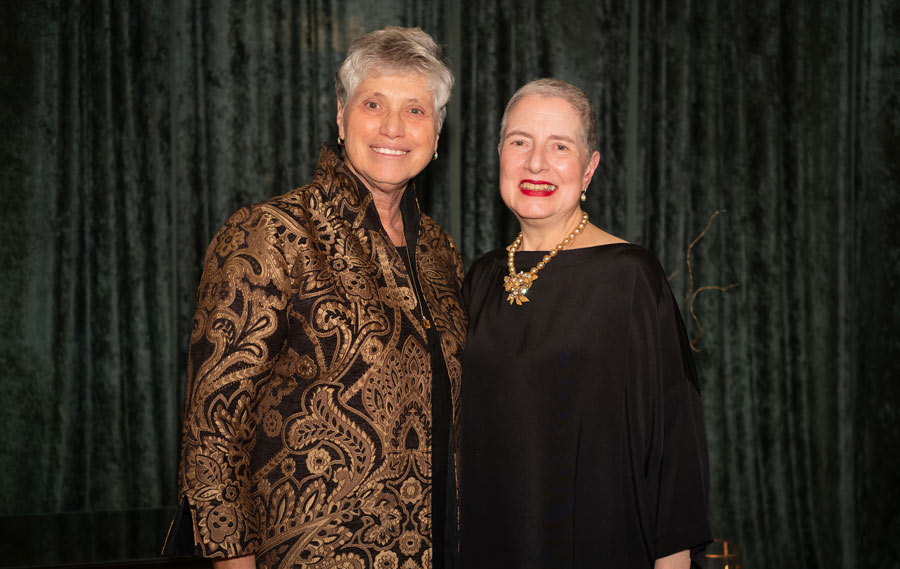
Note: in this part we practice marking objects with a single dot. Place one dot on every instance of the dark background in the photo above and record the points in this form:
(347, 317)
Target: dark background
(131, 130)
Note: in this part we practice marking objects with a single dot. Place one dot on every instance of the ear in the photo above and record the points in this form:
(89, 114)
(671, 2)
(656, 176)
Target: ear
(436, 138)
(589, 171)
(340, 119)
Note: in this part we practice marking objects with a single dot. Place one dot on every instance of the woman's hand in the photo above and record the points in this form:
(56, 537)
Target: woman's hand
(680, 560)
(245, 562)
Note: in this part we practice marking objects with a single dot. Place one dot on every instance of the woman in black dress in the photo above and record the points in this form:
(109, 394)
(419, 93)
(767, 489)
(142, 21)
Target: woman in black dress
(582, 437)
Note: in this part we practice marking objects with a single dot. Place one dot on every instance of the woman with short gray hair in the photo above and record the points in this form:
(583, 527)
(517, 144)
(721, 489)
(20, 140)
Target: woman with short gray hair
(324, 360)
(581, 432)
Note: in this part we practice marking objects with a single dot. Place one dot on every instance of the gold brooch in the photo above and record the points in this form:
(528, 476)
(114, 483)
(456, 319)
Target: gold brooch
(517, 284)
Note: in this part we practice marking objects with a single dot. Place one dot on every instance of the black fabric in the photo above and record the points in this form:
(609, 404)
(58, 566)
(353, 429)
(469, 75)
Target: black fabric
(443, 487)
(180, 537)
(582, 436)
(443, 499)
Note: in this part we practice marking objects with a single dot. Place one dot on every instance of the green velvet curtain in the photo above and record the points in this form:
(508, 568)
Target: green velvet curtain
(785, 115)
(131, 130)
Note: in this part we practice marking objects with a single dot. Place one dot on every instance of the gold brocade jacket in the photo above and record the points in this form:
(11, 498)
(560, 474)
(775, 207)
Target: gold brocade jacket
(307, 425)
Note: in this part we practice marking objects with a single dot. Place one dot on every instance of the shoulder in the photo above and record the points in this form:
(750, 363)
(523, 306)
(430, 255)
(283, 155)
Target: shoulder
(630, 257)
(635, 260)
(434, 233)
(272, 224)
(489, 262)
(636, 266)
(293, 213)
(295, 205)
(275, 206)
(438, 242)
(485, 269)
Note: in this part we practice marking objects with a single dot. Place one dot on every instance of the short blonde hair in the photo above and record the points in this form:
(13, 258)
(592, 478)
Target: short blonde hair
(395, 50)
(573, 95)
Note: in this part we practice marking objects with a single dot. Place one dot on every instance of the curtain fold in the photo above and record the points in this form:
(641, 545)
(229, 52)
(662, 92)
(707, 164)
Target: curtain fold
(874, 292)
(757, 109)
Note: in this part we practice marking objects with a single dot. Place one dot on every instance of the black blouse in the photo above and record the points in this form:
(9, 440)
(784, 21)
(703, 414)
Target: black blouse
(582, 438)
(443, 482)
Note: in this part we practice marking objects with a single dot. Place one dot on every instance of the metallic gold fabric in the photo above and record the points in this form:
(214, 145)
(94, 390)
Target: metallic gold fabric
(307, 433)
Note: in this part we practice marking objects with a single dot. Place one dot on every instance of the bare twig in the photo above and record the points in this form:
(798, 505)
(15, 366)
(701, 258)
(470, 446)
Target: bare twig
(692, 291)
(694, 314)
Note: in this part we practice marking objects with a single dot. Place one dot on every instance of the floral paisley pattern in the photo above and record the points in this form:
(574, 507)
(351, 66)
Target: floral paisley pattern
(307, 437)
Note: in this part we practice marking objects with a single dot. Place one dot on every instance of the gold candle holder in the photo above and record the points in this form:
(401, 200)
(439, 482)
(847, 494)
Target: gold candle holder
(724, 554)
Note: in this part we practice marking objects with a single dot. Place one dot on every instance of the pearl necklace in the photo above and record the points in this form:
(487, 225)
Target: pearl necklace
(517, 285)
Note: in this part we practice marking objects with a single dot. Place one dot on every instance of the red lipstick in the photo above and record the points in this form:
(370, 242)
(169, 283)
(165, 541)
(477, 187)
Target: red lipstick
(537, 188)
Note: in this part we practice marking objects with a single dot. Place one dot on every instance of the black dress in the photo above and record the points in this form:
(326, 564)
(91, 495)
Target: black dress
(582, 441)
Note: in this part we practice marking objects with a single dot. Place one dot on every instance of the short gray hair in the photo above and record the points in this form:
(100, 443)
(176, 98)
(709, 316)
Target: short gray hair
(571, 94)
(395, 50)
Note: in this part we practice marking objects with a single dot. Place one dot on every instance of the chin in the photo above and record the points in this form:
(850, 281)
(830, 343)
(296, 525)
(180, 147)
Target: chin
(389, 178)
(530, 214)
(394, 175)
(531, 210)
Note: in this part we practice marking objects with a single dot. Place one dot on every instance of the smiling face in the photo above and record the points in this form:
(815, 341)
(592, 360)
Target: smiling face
(544, 162)
(390, 130)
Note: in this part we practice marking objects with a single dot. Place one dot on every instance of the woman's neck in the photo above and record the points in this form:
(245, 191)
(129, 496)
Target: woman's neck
(543, 235)
(387, 204)
(388, 208)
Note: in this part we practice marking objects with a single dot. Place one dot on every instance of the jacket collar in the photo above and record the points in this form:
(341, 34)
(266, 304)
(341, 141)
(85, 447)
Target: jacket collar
(344, 190)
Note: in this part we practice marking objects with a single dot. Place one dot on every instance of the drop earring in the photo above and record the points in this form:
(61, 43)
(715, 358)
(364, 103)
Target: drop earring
(584, 196)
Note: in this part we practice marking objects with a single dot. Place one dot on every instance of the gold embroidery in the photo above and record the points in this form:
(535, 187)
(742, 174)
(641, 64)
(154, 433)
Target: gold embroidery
(307, 436)
(386, 560)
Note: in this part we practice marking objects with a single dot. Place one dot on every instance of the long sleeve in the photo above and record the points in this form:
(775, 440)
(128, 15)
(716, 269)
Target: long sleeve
(237, 330)
(681, 515)
(668, 449)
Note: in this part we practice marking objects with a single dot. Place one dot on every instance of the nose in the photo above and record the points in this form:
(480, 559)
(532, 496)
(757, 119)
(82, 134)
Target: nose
(536, 159)
(392, 125)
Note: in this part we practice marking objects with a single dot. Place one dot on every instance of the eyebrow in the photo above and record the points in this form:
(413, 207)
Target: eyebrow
(551, 137)
(516, 133)
(381, 95)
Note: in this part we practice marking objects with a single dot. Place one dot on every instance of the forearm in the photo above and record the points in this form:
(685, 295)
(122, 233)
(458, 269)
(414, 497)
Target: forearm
(245, 562)
(680, 560)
